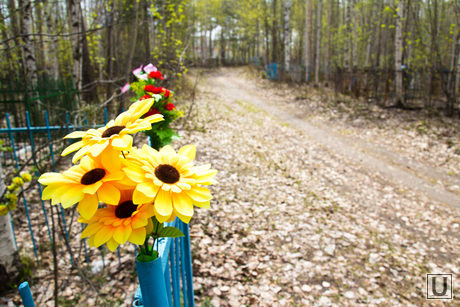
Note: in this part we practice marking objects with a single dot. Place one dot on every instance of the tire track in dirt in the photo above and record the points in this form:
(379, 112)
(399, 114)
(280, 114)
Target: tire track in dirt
(362, 153)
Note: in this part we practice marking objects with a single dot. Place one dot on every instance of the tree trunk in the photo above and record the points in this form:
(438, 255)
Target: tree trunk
(88, 76)
(6, 45)
(274, 34)
(347, 37)
(28, 48)
(328, 51)
(75, 19)
(16, 31)
(40, 51)
(307, 40)
(318, 41)
(287, 35)
(147, 25)
(210, 40)
(355, 35)
(10, 262)
(132, 43)
(50, 24)
(399, 54)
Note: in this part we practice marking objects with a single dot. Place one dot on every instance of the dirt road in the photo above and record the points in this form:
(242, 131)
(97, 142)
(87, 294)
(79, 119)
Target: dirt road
(306, 216)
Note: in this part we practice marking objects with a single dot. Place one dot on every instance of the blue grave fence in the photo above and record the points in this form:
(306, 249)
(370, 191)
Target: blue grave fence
(32, 145)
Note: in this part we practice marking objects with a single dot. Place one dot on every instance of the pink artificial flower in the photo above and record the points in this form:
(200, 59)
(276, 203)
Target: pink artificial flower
(143, 77)
(125, 88)
(137, 71)
(149, 68)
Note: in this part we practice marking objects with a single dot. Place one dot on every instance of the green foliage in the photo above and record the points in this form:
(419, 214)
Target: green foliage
(161, 133)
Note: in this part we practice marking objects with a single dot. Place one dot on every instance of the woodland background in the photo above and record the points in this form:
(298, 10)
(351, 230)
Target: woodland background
(400, 53)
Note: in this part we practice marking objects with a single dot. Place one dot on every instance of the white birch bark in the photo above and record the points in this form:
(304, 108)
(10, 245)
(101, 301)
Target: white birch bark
(318, 41)
(346, 52)
(287, 34)
(399, 52)
(9, 257)
(307, 40)
(75, 20)
(30, 64)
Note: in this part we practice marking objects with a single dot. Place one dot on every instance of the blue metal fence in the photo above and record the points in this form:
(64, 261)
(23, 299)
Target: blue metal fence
(25, 142)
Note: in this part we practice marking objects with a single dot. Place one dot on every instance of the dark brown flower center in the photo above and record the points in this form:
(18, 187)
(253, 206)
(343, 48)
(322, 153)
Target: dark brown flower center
(125, 209)
(112, 130)
(93, 176)
(167, 173)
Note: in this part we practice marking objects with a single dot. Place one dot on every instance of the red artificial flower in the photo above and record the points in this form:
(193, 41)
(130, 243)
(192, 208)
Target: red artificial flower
(149, 88)
(156, 90)
(170, 107)
(167, 93)
(152, 111)
(145, 97)
(156, 75)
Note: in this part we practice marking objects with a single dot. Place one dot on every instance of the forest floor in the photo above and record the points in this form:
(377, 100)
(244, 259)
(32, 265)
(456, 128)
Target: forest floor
(322, 200)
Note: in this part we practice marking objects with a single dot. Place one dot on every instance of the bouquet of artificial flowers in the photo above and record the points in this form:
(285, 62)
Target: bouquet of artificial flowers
(148, 86)
(123, 191)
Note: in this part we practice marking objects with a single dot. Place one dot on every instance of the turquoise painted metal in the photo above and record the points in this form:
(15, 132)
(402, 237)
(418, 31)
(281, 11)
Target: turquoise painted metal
(176, 275)
(26, 295)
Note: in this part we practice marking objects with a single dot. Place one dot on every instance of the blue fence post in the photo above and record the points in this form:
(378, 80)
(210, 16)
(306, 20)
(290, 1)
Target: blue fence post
(26, 295)
(188, 264)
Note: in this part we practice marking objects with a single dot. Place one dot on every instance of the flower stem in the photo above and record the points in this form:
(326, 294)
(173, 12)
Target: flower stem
(146, 246)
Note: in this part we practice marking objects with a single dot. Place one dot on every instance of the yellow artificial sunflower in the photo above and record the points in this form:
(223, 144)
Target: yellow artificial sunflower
(170, 180)
(116, 133)
(115, 225)
(88, 183)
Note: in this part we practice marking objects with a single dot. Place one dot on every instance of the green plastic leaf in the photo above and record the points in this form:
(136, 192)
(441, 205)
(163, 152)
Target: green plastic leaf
(170, 232)
(145, 258)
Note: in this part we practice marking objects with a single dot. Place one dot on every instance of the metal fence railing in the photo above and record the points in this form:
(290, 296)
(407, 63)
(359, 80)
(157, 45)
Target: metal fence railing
(42, 144)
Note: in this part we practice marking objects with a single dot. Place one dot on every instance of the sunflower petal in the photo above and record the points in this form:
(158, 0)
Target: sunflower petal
(163, 206)
(188, 151)
(141, 198)
(112, 245)
(98, 148)
(148, 189)
(83, 151)
(199, 194)
(137, 236)
(103, 235)
(87, 207)
(91, 229)
(122, 233)
(71, 196)
(122, 143)
(92, 188)
(134, 173)
(183, 207)
(109, 194)
(72, 148)
(75, 135)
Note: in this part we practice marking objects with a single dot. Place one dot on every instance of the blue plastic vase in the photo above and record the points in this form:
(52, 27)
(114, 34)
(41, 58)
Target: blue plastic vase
(152, 283)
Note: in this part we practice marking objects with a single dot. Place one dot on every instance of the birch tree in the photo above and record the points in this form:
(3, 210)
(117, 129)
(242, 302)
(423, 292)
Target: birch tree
(399, 53)
(30, 64)
(318, 41)
(287, 34)
(307, 40)
(75, 19)
(9, 257)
